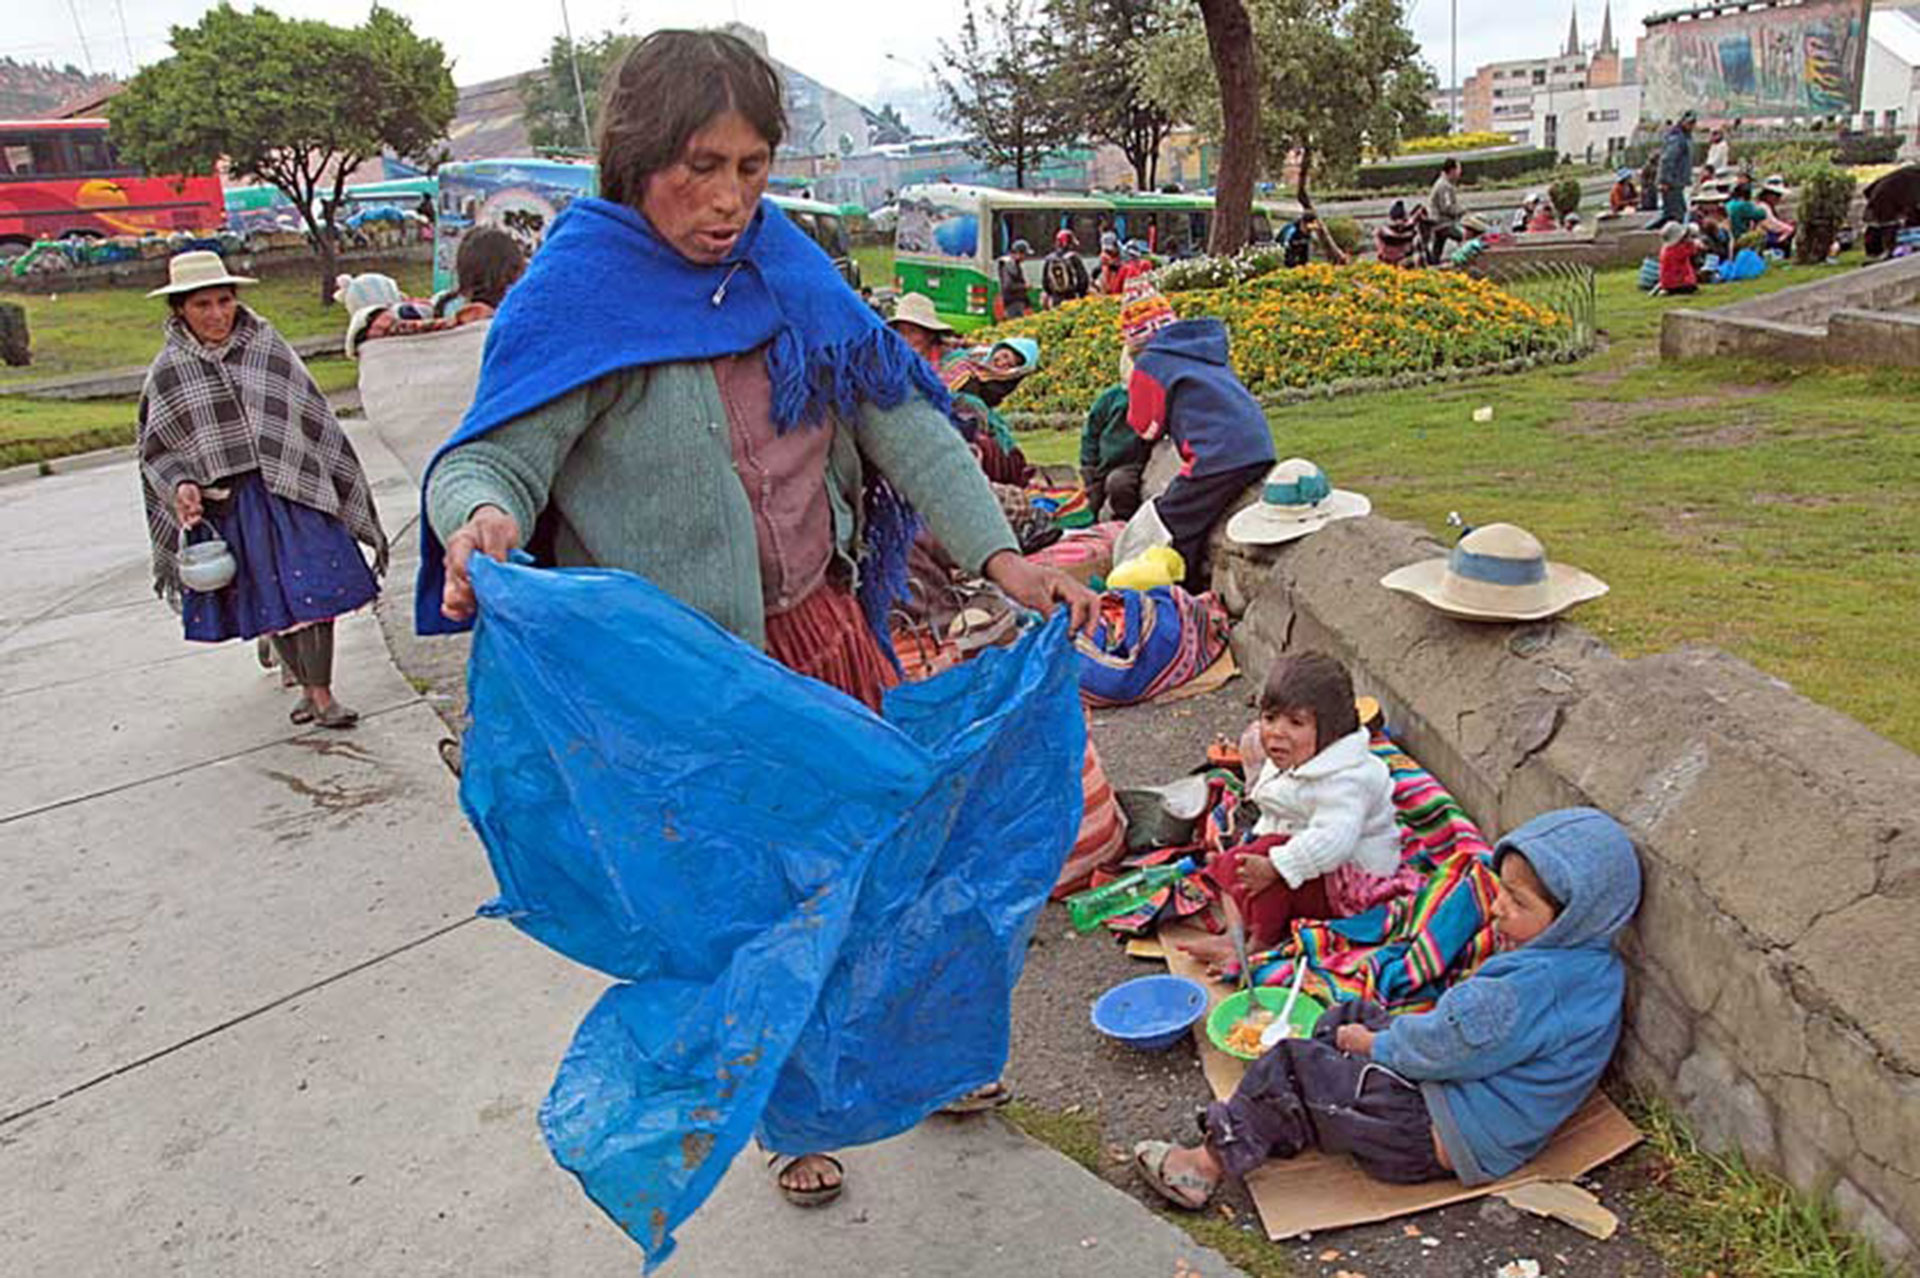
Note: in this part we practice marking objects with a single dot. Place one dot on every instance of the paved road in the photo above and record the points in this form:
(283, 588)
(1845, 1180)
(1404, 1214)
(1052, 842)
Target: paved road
(253, 1028)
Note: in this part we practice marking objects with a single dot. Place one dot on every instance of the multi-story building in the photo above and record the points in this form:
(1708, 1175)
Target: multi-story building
(1582, 103)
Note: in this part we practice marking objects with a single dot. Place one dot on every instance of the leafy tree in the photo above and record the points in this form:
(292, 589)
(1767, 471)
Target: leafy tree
(553, 107)
(1000, 87)
(1335, 80)
(296, 103)
(1227, 39)
(887, 126)
(1097, 76)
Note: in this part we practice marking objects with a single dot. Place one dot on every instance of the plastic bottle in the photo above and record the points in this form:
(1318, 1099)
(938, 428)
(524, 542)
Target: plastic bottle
(1129, 892)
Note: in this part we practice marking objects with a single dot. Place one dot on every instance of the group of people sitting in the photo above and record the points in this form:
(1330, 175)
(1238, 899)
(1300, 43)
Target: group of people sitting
(1724, 216)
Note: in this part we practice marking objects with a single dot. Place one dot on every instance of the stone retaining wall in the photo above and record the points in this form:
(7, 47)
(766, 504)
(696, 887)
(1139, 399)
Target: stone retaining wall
(1775, 988)
(1842, 319)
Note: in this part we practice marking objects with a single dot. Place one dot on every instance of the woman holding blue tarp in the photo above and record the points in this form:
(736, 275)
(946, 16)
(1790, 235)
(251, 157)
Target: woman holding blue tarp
(682, 387)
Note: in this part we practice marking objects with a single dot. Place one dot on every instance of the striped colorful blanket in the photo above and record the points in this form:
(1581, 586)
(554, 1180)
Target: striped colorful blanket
(1405, 953)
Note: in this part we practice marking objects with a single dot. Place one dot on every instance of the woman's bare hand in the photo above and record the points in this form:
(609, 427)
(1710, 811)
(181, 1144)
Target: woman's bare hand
(489, 530)
(186, 503)
(1032, 586)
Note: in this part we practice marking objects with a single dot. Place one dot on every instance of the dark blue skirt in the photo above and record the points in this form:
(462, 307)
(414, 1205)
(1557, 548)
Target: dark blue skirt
(296, 566)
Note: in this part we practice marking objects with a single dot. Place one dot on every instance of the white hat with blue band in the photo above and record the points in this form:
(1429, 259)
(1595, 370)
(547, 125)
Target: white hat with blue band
(1496, 573)
(1295, 500)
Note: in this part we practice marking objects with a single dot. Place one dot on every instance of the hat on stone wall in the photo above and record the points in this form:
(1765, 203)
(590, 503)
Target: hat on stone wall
(1496, 573)
(1295, 500)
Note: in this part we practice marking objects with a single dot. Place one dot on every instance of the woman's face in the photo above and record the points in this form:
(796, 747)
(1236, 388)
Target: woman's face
(702, 202)
(209, 313)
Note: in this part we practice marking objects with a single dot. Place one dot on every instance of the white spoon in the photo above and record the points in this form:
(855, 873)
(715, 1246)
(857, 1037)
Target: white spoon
(1282, 1026)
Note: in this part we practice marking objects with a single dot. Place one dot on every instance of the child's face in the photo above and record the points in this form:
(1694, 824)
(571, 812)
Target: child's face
(1006, 360)
(1521, 907)
(1290, 737)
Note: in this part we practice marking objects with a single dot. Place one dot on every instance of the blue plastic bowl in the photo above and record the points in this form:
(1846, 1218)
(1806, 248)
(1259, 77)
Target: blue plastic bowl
(1150, 1013)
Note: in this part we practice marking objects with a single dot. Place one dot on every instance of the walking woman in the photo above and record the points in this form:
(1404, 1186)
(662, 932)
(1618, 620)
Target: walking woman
(683, 388)
(235, 436)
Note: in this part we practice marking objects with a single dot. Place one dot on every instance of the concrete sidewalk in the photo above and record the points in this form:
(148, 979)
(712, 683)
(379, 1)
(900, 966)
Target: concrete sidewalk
(255, 1029)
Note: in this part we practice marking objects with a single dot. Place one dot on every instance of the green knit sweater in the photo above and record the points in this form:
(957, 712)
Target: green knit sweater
(638, 468)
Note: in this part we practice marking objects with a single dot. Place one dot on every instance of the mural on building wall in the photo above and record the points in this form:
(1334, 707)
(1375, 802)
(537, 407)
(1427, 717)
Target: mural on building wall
(1792, 60)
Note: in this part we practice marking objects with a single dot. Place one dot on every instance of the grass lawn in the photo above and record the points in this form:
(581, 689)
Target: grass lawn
(33, 430)
(96, 329)
(876, 265)
(1766, 510)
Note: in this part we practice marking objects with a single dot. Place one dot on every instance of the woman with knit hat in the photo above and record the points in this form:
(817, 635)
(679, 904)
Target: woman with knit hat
(1182, 388)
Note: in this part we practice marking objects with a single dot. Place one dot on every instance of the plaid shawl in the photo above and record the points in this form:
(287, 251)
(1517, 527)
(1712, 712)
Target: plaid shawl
(208, 412)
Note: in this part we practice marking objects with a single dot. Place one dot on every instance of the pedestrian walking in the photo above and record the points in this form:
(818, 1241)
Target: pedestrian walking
(1676, 171)
(235, 436)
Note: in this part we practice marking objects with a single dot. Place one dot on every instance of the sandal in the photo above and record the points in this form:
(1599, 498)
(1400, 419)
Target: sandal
(1186, 1190)
(816, 1197)
(979, 1100)
(263, 653)
(336, 716)
(301, 712)
(450, 754)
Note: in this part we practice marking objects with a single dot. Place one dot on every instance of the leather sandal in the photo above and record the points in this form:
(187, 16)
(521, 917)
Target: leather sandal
(1186, 1190)
(979, 1100)
(302, 712)
(336, 716)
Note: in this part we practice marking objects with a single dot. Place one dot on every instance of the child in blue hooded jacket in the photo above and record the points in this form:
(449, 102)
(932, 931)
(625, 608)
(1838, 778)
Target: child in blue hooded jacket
(1477, 1086)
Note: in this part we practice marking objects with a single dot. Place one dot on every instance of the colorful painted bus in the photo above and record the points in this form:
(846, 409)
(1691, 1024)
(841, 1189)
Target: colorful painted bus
(525, 195)
(62, 177)
(948, 237)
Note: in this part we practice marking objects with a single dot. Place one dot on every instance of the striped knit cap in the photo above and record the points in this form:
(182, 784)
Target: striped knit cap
(1144, 311)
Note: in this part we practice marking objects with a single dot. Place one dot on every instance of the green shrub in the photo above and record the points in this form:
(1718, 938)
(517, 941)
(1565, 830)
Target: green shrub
(1346, 232)
(1795, 161)
(1485, 167)
(1869, 148)
(1565, 195)
(1825, 198)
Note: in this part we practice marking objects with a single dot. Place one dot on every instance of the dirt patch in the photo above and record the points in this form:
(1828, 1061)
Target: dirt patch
(1600, 416)
(1061, 1064)
(1803, 501)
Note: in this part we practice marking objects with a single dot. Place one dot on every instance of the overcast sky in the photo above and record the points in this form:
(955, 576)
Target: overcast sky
(869, 49)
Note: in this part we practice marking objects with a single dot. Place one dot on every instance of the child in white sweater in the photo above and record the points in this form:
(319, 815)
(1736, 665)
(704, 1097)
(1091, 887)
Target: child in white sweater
(1326, 844)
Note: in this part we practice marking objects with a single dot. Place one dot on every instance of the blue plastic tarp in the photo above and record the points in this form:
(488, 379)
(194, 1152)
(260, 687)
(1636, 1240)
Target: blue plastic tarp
(816, 915)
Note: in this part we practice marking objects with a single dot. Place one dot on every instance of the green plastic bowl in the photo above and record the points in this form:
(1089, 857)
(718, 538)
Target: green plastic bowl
(1220, 1021)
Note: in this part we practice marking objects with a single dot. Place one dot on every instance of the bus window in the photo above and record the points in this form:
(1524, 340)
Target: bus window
(1086, 227)
(29, 154)
(937, 228)
(94, 155)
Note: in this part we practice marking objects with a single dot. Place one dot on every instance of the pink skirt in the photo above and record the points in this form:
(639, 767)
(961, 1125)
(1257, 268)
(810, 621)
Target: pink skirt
(825, 637)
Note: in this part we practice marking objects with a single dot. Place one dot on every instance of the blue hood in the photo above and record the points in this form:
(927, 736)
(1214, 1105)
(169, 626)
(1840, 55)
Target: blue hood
(1586, 860)
(1201, 339)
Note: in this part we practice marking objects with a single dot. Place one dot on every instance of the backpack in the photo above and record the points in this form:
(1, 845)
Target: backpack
(1061, 279)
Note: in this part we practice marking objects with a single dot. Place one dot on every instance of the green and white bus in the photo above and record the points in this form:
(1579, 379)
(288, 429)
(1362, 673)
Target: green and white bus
(948, 237)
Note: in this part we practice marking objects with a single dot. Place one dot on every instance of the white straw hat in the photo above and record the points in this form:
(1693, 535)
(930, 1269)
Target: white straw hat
(1496, 573)
(1295, 500)
(201, 268)
(917, 309)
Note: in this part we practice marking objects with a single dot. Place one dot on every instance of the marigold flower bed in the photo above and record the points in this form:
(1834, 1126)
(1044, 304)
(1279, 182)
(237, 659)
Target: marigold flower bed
(1297, 328)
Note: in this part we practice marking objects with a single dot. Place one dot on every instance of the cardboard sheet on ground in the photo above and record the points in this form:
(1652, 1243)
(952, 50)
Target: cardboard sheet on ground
(1316, 1192)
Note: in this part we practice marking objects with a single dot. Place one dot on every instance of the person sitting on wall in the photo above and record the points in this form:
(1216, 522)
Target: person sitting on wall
(1743, 211)
(1182, 387)
(1396, 242)
(1779, 230)
(1113, 459)
(1472, 1089)
(1625, 195)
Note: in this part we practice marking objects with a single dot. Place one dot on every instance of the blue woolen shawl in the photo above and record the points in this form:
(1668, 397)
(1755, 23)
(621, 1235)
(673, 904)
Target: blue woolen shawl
(604, 293)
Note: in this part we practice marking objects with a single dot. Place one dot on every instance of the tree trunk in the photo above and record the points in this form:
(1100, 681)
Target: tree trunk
(1300, 181)
(1230, 41)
